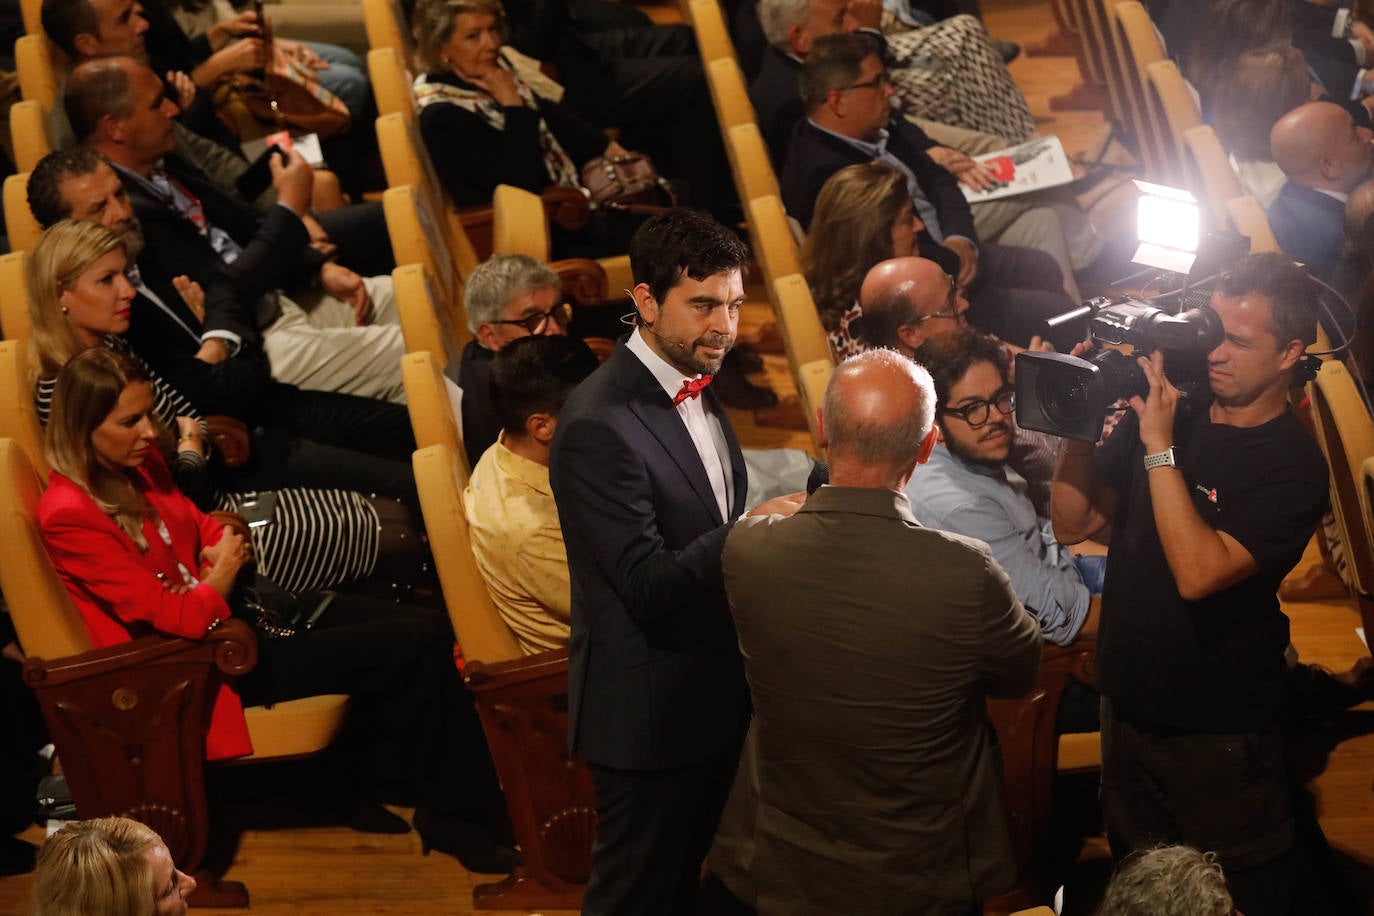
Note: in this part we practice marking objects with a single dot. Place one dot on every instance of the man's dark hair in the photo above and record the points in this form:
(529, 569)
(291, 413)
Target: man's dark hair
(1292, 294)
(682, 241)
(45, 182)
(95, 89)
(63, 20)
(834, 63)
(949, 356)
(536, 374)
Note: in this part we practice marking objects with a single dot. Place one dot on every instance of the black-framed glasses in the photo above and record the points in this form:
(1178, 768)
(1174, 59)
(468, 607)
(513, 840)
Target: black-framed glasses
(977, 413)
(536, 323)
(876, 82)
(951, 307)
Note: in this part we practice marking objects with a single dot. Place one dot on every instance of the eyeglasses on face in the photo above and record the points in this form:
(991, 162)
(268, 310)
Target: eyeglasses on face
(876, 82)
(538, 322)
(950, 309)
(977, 413)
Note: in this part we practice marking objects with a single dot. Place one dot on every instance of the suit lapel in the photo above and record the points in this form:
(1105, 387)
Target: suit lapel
(652, 406)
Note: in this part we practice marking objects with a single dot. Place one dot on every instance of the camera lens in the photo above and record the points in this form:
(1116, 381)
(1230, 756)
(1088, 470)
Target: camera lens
(1067, 406)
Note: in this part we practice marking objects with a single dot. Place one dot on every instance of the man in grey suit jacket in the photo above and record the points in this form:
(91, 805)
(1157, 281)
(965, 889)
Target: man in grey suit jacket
(870, 645)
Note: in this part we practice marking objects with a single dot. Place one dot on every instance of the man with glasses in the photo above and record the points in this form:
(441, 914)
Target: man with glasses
(969, 488)
(508, 297)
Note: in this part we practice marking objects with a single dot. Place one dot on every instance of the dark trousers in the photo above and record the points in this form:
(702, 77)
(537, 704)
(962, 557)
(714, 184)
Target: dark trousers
(415, 721)
(360, 232)
(1016, 291)
(654, 828)
(1221, 793)
(324, 439)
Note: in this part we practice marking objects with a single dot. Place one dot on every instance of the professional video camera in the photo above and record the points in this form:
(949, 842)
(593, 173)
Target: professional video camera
(1069, 396)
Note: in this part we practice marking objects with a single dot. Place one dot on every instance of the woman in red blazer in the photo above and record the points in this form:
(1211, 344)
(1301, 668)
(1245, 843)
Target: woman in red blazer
(137, 557)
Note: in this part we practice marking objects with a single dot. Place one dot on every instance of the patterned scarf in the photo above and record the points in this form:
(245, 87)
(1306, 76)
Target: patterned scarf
(557, 163)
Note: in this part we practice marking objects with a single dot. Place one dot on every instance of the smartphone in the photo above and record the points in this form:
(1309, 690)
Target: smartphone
(258, 176)
(257, 508)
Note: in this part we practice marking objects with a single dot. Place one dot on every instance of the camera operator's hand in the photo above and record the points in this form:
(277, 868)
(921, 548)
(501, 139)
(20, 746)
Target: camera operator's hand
(1082, 349)
(1156, 411)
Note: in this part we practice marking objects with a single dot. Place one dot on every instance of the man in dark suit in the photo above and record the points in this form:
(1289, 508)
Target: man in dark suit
(1011, 290)
(648, 479)
(1325, 155)
(338, 333)
(879, 785)
(300, 438)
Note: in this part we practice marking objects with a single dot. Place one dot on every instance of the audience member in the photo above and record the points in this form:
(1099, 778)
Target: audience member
(512, 518)
(87, 29)
(874, 751)
(125, 543)
(648, 479)
(508, 297)
(1210, 509)
(112, 865)
(338, 334)
(1354, 279)
(300, 438)
(485, 127)
(949, 75)
(1324, 154)
(1168, 881)
(1013, 290)
(969, 488)
(1264, 85)
(643, 78)
(306, 539)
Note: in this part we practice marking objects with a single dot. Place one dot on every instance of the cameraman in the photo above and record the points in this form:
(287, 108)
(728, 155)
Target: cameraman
(1210, 509)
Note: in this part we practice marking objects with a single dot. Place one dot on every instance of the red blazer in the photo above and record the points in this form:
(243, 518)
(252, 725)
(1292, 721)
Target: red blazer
(116, 586)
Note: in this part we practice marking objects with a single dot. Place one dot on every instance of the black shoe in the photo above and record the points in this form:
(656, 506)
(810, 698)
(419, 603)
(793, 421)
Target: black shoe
(749, 361)
(16, 856)
(471, 844)
(734, 390)
(1008, 50)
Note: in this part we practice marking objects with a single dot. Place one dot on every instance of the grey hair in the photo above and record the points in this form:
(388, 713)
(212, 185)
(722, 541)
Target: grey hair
(778, 17)
(432, 23)
(1168, 881)
(498, 280)
(880, 446)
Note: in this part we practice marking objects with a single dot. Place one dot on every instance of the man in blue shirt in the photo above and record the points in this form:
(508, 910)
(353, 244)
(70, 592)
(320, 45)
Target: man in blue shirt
(968, 488)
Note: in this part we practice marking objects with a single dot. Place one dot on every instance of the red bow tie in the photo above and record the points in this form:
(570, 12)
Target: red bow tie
(691, 389)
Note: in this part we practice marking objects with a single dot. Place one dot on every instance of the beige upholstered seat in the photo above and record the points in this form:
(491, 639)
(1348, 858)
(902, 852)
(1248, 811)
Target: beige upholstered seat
(713, 38)
(29, 132)
(519, 225)
(14, 298)
(431, 411)
(417, 238)
(749, 158)
(391, 80)
(1247, 217)
(33, 56)
(18, 414)
(728, 93)
(775, 247)
(1175, 110)
(23, 230)
(386, 28)
(1209, 174)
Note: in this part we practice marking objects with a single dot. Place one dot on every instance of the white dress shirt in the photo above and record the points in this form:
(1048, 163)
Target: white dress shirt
(702, 425)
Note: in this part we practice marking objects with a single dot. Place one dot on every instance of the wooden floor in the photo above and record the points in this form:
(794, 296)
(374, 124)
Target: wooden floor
(318, 870)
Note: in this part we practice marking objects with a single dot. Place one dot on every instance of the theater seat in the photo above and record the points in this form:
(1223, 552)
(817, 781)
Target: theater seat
(1247, 218)
(431, 411)
(29, 133)
(23, 230)
(129, 720)
(14, 298)
(33, 57)
(523, 703)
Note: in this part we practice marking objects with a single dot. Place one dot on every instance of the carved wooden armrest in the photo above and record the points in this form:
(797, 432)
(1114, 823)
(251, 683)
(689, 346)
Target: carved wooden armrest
(232, 648)
(567, 207)
(584, 280)
(1074, 660)
(486, 676)
(231, 438)
(477, 216)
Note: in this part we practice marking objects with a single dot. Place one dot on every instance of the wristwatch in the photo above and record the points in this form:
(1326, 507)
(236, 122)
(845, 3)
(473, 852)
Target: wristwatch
(1164, 459)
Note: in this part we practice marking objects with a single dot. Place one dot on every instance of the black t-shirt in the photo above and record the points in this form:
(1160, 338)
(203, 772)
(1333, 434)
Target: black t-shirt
(1215, 665)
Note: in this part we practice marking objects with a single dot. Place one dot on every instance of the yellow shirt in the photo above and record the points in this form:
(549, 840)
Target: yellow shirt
(518, 545)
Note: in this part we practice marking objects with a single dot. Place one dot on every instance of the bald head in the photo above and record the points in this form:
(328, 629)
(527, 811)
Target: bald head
(1318, 145)
(899, 297)
(877, 419)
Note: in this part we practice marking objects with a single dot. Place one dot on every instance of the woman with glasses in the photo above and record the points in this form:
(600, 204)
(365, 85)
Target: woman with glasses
(863, 215)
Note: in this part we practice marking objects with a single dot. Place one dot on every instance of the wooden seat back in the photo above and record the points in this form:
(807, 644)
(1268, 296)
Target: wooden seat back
(713, 38)
(33, 57)
(1176, 112)
(749, 158)
(1209, 174)
(29, 133)
(391, 83)
(519, 224)
(1246, 217)
(1137, 46)
(425, 324)
(386, 27)
(775, 247)
(815, 376)
(432, 416)
(729, 94)
(23, 230)
(1345, 432)
(14, 295)
(18, 413)
(417, 238)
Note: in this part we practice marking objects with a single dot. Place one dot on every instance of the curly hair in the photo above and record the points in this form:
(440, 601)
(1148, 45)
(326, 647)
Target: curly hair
(1168, 881)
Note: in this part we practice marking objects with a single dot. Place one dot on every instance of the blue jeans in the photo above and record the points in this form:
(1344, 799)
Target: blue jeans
(1093, 569)
(345, 76)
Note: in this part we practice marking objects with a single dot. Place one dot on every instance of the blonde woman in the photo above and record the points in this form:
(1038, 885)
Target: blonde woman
(311, 538)
(113, 866)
